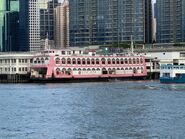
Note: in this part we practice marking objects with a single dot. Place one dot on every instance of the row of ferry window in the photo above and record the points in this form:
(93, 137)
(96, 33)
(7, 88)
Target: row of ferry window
(97, 61)
(41, 60)
(163, 67)
(98, 69)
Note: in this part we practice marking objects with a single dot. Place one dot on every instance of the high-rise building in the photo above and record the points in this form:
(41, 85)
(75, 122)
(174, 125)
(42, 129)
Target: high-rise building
(148, 21)
(47, 19)
(170, 16)
(24, 26)
(29, 25)
(9, 25)
(61, 26)
(34, 25)
(94, 22)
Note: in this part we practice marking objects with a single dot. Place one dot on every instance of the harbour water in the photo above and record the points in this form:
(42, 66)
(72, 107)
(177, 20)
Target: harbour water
(107, 110)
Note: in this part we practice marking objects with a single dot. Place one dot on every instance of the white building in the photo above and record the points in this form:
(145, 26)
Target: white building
(34, 25)
(15, 63)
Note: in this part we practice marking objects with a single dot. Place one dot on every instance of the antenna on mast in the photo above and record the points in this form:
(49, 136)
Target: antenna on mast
(132, 44)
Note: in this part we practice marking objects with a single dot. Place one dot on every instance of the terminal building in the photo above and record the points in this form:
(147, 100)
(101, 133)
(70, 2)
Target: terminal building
(15, 67)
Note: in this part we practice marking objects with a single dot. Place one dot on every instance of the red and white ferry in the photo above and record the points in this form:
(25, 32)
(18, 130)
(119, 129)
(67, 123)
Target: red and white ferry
(66, 64)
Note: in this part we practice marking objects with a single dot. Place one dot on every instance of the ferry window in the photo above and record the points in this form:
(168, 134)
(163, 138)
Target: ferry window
(117, 61)
(79, 62)
(130, 61)
(141, 61)
(63, 52)
(57, 61)
(63, 61)
(68, 61)
(113, 61)
(126, 61)
(97, 61)
(42, 59)
(182, 54)
(83, 61)
(103, 61)
(109, 61)
(92, 61)
(88, 61)
(134, 61)
(63, 70)
(74, 61)
(122, 62)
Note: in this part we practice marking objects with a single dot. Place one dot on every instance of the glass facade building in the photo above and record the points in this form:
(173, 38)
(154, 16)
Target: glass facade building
(170, 16)
(9, 25)
(23, 26)
(47, 19)
(99, 22)
(36, 21)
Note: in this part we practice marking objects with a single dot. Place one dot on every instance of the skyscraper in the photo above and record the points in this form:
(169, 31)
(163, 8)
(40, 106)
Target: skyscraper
(47, 19)
(9, 21)
(148, 21)
(24, 26)
(170, 16)
(34, 25)
(61, 25)
(94, 22)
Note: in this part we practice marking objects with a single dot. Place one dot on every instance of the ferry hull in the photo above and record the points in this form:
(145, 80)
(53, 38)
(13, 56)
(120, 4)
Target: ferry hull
(172, 80)
(78, 80)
